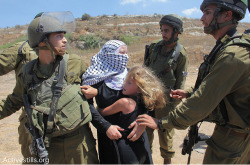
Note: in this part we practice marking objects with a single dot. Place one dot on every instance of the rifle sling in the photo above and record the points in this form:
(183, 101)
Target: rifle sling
(175, 56)
(56, 96)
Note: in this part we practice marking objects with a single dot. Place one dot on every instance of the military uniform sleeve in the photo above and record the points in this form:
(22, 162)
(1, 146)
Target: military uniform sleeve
(221, 81)
(9, 59)
(14, 101)
(181, 69)
(76, 67)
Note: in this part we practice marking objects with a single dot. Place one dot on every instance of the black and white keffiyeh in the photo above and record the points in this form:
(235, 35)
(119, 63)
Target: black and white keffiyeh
(107, 65)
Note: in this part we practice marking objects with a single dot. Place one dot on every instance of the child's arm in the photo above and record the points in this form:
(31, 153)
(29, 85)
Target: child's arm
(124, 105)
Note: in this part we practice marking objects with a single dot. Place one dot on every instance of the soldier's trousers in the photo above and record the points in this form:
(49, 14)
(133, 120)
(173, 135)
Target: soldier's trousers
(227, 147)
(165, 136)
(80, 148)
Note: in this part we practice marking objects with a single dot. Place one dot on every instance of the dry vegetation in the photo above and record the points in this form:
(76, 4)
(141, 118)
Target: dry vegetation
(143, 29)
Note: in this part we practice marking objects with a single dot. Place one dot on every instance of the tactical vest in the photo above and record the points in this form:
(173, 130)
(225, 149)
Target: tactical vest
(219, 115)
(164, 68)
(72, 110)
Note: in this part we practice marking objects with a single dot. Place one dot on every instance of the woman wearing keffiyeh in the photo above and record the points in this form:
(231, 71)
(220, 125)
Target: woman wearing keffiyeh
(106, 74)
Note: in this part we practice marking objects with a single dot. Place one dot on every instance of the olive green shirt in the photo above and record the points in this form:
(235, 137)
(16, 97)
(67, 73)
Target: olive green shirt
(228, 80)
(75, 68)
(11, 60)
(159, 61)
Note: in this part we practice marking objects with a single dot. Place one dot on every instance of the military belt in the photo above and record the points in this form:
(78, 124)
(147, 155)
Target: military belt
(231, 132)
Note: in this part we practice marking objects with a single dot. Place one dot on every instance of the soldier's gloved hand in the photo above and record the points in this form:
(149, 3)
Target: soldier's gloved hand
(113, 132)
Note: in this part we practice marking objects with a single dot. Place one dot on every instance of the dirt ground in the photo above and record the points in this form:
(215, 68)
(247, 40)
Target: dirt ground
(10, 148)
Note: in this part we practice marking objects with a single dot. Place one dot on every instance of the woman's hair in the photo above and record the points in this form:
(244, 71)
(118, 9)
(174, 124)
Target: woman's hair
(151, 88)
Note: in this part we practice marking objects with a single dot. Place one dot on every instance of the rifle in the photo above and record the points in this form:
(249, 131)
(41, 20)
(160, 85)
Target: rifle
(37, 146)
(191, 139)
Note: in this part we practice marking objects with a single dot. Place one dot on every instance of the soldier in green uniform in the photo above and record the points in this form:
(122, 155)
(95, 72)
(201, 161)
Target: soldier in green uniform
(222, 90)
(168, 59)
(67, 135)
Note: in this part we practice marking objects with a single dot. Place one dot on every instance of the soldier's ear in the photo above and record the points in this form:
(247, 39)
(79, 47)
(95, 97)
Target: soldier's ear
(228, 15)
(41, 44)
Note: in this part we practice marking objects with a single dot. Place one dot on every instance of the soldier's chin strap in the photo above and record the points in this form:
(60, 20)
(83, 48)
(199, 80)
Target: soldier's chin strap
(214, 25)
(48, 47)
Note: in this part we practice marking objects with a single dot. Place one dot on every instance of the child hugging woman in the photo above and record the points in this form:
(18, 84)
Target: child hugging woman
(120, 104)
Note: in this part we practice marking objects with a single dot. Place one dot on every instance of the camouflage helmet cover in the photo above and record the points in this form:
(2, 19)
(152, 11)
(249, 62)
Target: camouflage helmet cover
(172, 20)
(47, 23)
(237, 6)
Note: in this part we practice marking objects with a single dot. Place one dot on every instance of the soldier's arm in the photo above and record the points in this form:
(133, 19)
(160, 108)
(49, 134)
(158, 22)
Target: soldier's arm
(75, 69)
(210, 93)
(9, 59)
(14, 101)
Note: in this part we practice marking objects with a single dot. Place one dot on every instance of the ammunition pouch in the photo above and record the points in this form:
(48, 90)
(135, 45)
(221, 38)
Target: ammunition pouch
(72, 112)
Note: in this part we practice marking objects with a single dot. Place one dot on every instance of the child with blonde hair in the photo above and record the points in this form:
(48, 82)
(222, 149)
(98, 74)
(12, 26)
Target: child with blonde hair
(143, 85)
(144, 92)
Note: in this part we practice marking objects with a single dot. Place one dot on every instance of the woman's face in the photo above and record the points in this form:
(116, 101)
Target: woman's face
(130, 88)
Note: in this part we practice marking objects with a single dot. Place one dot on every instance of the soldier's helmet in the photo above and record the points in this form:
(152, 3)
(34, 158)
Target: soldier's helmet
(237, 6)
(49, 22)
(174, 21)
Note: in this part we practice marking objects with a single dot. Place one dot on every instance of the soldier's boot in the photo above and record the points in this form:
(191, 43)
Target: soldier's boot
(167, 161)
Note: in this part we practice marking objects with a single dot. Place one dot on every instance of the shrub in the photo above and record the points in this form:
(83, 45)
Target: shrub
(86, 17)
(91, 41)
(128, 39)
(69, 37)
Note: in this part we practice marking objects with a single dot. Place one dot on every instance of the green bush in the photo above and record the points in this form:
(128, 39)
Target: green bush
(85, 17)
(69, 37)
(129, 39)
(91, 41)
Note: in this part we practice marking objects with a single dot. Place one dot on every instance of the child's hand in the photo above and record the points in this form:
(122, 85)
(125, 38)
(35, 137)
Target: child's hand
(88, 91)
(146, 120)
(137, 131)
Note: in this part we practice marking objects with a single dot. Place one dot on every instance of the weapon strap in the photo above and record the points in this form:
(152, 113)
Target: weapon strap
(20, 53)
(175, 56)
(56, 96)
(177, 52)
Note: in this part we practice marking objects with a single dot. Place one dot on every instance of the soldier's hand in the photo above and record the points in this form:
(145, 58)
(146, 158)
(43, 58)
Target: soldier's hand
(88, 91)
(178, 94)
(137, 131)
(113, 132)
(146, 120)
